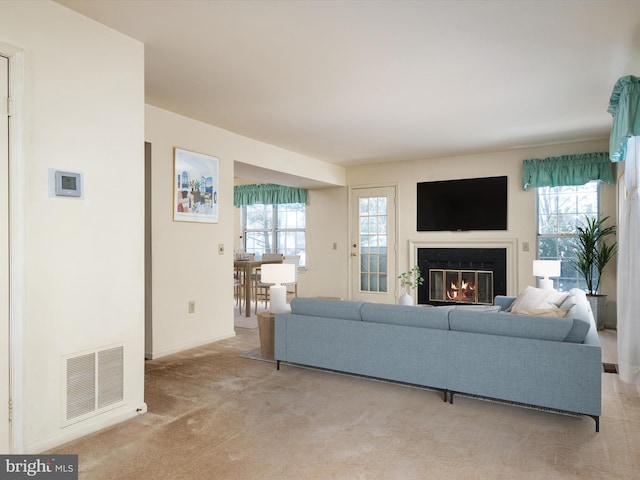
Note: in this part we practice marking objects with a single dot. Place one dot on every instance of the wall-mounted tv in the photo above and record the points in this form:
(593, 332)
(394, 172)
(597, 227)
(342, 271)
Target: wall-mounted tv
(461, 205)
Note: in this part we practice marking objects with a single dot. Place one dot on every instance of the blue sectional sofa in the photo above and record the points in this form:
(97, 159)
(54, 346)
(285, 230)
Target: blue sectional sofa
(543, 361)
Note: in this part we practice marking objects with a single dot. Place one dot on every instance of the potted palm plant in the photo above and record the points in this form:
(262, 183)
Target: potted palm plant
(592, 255)
(409, 280)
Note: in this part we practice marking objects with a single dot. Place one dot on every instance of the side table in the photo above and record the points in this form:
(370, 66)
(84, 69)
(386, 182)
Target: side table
(266, 321)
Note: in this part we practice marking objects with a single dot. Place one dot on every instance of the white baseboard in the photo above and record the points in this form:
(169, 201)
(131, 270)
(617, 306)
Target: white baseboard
(81, 429)
(187, 346)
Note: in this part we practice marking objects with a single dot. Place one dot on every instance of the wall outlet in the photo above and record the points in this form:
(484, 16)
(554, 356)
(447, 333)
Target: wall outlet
(221, 249)
(192, 306)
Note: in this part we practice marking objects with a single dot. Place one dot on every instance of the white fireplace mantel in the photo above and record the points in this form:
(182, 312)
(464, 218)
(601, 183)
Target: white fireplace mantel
(509, 244)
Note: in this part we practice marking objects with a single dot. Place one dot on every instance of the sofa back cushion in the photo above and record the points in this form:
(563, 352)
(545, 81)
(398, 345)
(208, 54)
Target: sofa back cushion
(322, 307)
(511, 325)
(407, 315)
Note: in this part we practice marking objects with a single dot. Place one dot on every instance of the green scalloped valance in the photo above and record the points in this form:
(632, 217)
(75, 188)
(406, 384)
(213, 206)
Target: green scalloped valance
(567, 170)
(624, 106)
(267, 194)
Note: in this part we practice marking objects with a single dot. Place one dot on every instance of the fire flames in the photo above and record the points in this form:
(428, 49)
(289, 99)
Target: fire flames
(460, 286)
(462, 293)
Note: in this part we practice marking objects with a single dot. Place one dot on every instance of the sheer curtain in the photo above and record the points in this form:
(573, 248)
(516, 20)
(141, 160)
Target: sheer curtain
(625, 146)
(629, 269)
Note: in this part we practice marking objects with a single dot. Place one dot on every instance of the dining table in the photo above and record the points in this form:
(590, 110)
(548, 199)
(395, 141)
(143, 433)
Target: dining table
(247, 267)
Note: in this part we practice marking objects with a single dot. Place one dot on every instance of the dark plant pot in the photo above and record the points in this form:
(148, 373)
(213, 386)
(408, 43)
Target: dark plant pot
(598, 308)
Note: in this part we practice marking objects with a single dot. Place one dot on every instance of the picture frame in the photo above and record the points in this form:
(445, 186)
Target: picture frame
(195, 187)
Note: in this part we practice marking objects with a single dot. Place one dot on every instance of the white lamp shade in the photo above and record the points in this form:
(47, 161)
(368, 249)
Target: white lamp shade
(546, 268)
(278, 273)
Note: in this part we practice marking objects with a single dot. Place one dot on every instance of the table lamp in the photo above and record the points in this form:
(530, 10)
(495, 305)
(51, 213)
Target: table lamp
(278, 273)
(546, 269)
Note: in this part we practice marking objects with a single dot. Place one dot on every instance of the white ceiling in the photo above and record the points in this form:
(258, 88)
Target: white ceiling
(356, 82)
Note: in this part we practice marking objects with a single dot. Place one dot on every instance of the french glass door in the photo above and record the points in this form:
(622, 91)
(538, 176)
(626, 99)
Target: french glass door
(373, 244)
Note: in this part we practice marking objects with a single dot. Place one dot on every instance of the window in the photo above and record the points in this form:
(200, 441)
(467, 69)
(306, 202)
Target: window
(275, 229)
(560, 211)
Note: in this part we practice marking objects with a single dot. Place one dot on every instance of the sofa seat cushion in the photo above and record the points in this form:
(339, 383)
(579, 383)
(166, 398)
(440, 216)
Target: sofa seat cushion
(510, 325)
(407, 315)
(321, 307)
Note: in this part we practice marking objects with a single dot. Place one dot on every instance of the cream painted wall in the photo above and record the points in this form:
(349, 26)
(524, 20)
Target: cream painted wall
(278, 159)
(326, 270)
(522, 206)
(186, 264)
(83, 111)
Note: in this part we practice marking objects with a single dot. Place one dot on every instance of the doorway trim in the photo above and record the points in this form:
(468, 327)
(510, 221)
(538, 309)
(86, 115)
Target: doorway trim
(17, 255)
(393, 283)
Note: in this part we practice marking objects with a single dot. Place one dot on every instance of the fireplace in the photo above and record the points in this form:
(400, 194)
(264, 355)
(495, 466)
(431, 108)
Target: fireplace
(461, 286)
(462, 275)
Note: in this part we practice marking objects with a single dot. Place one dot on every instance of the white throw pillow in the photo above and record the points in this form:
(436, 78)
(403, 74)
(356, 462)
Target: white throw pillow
(569, 302)
(536, 298)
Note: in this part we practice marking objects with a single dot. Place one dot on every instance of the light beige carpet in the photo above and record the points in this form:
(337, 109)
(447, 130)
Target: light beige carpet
(256, 354)
(245, 322)
(240, 319)
(216, 415)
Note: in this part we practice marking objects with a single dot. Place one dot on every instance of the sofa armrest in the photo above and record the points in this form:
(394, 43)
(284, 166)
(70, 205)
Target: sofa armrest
(503, 301)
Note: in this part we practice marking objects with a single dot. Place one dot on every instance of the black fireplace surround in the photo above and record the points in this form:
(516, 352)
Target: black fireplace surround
(486, 259)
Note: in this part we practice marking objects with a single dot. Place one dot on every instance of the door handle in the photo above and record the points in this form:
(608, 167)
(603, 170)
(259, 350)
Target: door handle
(354, 254)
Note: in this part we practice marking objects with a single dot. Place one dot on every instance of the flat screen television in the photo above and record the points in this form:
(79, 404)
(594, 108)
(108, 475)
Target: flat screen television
(461, 205)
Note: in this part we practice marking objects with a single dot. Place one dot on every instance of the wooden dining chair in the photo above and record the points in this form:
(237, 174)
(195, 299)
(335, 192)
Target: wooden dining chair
(238, 287)
(292, 288)
(238, 282)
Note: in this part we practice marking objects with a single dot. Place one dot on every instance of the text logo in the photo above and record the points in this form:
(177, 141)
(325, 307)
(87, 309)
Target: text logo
(50, 467)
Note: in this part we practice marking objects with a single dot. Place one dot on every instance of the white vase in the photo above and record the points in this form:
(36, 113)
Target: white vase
(405, 299)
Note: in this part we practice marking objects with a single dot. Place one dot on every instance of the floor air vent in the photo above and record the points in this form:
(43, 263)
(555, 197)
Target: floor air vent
(95, 382)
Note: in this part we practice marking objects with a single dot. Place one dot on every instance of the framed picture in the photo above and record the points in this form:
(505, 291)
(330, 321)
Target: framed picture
(195, 186)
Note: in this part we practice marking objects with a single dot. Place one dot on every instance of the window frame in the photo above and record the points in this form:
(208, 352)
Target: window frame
(274, 231)
(570, 277)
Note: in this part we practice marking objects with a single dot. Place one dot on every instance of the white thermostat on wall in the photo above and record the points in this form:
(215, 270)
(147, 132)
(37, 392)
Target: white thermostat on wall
(65, 184)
